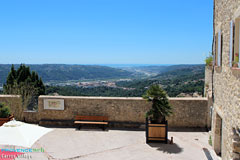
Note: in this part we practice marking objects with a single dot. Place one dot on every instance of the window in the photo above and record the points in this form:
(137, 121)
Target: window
(218, 49)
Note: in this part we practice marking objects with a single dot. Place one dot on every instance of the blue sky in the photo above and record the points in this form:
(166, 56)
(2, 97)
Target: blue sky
(105, 31)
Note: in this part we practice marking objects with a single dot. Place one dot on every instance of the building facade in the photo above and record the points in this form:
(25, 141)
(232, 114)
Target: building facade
(225, 87)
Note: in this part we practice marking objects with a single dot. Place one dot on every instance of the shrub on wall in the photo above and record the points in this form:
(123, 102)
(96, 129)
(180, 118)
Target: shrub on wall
(209, 60)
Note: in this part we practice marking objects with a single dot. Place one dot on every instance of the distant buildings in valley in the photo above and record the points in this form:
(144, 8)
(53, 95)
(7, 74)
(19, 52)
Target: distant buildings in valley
(91, 84)
(97, 84)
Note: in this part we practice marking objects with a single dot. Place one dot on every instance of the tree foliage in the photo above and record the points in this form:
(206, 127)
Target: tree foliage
(25, 83)
(4, 111)
(160, 104)
(94, 91)
(187, 80)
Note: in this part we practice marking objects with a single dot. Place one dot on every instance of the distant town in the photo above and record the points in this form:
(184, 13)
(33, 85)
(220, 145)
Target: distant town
(91, 83)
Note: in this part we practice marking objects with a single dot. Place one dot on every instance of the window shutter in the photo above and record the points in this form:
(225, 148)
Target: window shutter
(214, 51)
(219, 48)
(231, 44)
(238, 43)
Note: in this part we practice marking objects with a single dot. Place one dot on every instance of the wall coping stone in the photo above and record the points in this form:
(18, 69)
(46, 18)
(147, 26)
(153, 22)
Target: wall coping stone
(114, 98)
(123, 98)
(4, 95)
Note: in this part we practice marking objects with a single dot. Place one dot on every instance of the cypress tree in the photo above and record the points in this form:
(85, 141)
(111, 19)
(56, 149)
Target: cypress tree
(26, 83)
(11, 76)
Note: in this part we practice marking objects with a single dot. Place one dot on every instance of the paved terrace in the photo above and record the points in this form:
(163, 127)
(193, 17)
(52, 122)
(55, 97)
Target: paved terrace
(92, 144)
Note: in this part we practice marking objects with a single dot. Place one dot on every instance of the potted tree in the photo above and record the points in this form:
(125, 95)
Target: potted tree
(156, 124)
(5, 115)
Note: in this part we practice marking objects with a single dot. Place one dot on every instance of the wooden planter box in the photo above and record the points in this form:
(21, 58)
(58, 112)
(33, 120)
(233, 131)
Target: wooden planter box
(156, 132)
(4, 120)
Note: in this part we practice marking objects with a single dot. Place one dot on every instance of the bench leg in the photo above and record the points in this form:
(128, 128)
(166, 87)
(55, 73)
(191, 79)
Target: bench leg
(103, 127)
(79, 127)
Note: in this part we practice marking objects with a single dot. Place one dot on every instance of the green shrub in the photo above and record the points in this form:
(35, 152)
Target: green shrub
(4, 111)
(210, 140)
(209, 60)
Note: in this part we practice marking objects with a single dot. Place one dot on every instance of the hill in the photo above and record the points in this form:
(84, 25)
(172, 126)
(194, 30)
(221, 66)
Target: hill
(178, 80)
(62, 72)
(153, 70)
(184, 80)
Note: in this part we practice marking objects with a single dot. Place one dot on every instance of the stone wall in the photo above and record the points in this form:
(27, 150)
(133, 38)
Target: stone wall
(208, 81)
(14, 103)
(127, 112)
(188, 112)
(226, 83)
(208, 92)
(31, 117)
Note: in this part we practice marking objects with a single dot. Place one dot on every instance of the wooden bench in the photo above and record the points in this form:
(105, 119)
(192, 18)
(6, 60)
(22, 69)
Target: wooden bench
(96, 120)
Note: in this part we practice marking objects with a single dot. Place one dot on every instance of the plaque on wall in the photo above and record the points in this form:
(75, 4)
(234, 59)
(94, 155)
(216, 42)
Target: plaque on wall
(54, 104)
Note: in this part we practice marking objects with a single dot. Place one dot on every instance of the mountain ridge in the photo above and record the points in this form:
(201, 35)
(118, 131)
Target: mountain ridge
(64, 72)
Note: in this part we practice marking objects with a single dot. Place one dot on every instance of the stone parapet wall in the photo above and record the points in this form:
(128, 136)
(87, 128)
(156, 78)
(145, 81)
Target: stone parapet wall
(117, 109)
(187, 112)
(31, 117)
(13, 102)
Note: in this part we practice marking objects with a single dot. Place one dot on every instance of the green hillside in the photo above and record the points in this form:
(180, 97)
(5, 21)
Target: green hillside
(62, 72)
(185, 80)
(160, 69)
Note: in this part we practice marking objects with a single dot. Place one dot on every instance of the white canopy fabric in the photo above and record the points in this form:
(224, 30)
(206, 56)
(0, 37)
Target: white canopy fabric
(21, 134)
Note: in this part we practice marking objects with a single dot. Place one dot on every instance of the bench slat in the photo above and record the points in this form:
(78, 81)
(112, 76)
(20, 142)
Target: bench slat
(90, 122)
(91, 118)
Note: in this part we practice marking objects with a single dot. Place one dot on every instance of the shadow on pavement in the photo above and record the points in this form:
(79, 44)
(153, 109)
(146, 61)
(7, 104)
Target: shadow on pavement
(170, 129)
(167, 148)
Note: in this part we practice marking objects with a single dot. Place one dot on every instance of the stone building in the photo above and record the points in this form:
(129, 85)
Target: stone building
(225, 87)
